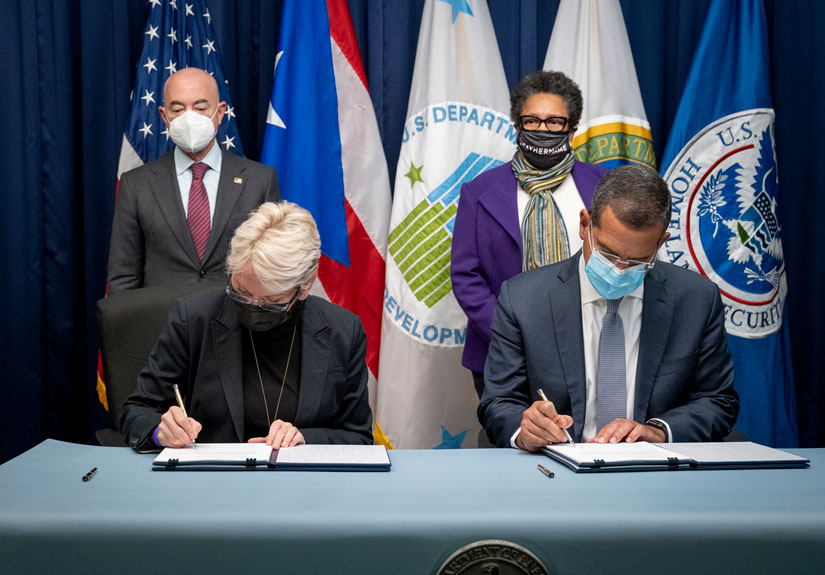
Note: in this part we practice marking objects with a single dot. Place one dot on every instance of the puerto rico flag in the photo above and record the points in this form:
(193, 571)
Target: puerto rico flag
(322, 138)
(178, 35)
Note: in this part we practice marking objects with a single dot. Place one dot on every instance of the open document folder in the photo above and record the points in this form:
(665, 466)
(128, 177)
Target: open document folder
(240, 456)
(643, 456)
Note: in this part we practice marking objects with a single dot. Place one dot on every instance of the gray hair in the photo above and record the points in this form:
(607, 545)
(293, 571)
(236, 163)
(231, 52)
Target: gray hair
(637, 195)
(547, 82)
(280, 244)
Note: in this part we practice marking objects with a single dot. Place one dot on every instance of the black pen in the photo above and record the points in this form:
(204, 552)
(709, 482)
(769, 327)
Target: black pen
(546, 471)
(89, 475)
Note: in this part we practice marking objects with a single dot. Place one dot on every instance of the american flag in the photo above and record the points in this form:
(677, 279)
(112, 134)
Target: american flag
(178, 35)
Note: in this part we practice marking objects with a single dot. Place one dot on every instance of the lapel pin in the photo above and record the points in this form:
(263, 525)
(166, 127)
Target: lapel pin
(238, 180)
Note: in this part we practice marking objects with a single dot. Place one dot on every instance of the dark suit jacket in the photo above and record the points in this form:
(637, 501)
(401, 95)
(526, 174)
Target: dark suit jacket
(684, 373)
(151, 244)
(200, 350)
(487, 247)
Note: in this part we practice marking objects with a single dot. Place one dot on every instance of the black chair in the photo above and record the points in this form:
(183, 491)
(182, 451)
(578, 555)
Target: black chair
(130, 323)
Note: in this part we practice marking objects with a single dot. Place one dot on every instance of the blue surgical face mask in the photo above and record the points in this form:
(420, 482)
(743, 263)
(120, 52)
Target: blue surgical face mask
(609, 281)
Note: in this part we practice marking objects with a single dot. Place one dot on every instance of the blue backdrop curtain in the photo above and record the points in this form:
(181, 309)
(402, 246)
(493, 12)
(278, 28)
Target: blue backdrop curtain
(68, 68)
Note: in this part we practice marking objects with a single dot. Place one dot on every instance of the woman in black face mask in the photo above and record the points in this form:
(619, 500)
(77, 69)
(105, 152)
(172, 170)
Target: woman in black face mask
(261, 360)
(524, 214)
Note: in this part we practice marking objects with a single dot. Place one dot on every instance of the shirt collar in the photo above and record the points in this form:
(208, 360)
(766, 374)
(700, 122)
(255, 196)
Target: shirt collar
(213, 159)
(589, 293)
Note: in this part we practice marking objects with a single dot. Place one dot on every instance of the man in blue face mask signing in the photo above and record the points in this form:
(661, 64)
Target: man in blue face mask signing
(174, 217)
(623, 347)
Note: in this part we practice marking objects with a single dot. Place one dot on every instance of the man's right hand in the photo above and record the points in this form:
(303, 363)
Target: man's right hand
(541, 425)
(177, 430)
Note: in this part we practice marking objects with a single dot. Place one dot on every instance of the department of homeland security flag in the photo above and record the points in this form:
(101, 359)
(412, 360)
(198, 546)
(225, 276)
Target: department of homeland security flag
(322, 138)
(589, 44)
(457, 126)
(178, 35)
(720, 166)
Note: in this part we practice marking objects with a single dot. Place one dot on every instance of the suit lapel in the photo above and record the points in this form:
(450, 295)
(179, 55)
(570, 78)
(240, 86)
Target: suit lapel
(567, 321)
(165, 188)
(501, 203)
(315, 351)
(657, 315)
(230, 187)
(226, 337)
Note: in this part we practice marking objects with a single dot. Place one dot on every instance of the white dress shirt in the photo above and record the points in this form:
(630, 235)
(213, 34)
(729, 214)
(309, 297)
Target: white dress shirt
(213, 159)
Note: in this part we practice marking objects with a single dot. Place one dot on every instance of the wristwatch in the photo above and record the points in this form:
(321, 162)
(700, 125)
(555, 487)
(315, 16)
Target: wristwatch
(658, 424)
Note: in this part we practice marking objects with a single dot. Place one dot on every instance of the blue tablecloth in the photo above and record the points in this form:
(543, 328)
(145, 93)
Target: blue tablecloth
(129, 519)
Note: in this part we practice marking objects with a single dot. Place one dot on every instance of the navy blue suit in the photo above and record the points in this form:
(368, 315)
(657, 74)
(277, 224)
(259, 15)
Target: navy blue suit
(684, 373)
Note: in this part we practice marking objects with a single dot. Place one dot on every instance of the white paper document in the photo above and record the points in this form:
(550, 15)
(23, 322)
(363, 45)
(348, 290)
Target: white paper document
(643, 456)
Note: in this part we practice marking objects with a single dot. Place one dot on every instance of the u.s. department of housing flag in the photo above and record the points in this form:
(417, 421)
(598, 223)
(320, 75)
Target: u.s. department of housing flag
(720, 166)
(322, 138)
(589, 43)
(176, 37)
(457, 126)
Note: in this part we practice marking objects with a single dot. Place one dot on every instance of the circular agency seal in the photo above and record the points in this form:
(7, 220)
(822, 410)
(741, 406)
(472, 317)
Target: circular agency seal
(444, 146)
(492, 557)
(724, 224)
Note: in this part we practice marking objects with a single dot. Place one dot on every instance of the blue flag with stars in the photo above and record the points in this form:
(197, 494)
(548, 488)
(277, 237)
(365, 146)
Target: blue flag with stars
(178, 35)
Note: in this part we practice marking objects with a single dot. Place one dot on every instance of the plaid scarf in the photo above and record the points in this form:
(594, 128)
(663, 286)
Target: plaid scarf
(543, 235)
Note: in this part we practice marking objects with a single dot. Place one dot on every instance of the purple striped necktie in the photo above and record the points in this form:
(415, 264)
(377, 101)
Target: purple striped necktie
(198, 213)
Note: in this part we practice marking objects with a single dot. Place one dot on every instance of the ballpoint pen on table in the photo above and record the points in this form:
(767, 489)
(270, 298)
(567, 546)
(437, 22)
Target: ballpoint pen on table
(544, 398)
(180, 404)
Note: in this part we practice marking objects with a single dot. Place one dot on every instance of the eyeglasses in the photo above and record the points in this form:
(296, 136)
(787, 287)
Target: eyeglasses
(262, 303)
(619, 262)
(552, 123)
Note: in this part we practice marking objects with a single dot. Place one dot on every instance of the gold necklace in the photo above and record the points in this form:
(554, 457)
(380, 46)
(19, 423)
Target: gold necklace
(260, 379)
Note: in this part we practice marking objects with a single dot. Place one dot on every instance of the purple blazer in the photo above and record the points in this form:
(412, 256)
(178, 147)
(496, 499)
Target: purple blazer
(487, 247)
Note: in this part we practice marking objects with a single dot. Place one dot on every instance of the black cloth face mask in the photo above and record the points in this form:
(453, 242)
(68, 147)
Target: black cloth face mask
(255, 318)
(543, 150)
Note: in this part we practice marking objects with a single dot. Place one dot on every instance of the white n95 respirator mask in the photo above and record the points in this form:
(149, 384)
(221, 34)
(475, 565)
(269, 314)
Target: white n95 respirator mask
(191, 131)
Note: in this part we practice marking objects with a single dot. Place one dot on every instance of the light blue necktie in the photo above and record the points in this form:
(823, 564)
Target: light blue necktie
(611, 379)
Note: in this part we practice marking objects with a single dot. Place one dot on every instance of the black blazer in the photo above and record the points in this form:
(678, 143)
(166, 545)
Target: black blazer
(200, 350)
(684, 373)
(151, 244)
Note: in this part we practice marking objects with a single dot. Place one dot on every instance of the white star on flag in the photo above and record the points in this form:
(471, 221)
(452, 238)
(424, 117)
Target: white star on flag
(207, 16)
(150, 64)
(146, 130)
(230, 113)
(227, 143)
(148, 97)
(189, 10)
(188, 41)
(154, 3)
(272, 116)
(172, 35)
(210, 46)
(173, 4)
(152, 32)
(172, 67)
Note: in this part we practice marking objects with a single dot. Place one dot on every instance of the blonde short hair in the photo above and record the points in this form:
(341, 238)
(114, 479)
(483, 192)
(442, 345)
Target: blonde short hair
(280, 244)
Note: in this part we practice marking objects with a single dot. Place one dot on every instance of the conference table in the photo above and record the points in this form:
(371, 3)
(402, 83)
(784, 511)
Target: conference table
(130, 519)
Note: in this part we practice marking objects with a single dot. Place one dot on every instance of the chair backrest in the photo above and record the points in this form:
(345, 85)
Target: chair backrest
(130, 323)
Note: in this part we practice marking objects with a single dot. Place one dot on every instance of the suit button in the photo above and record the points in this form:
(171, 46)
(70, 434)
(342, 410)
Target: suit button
(201, 274)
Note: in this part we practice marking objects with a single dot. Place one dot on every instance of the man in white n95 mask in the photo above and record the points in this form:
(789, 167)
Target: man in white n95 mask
(174, 217)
